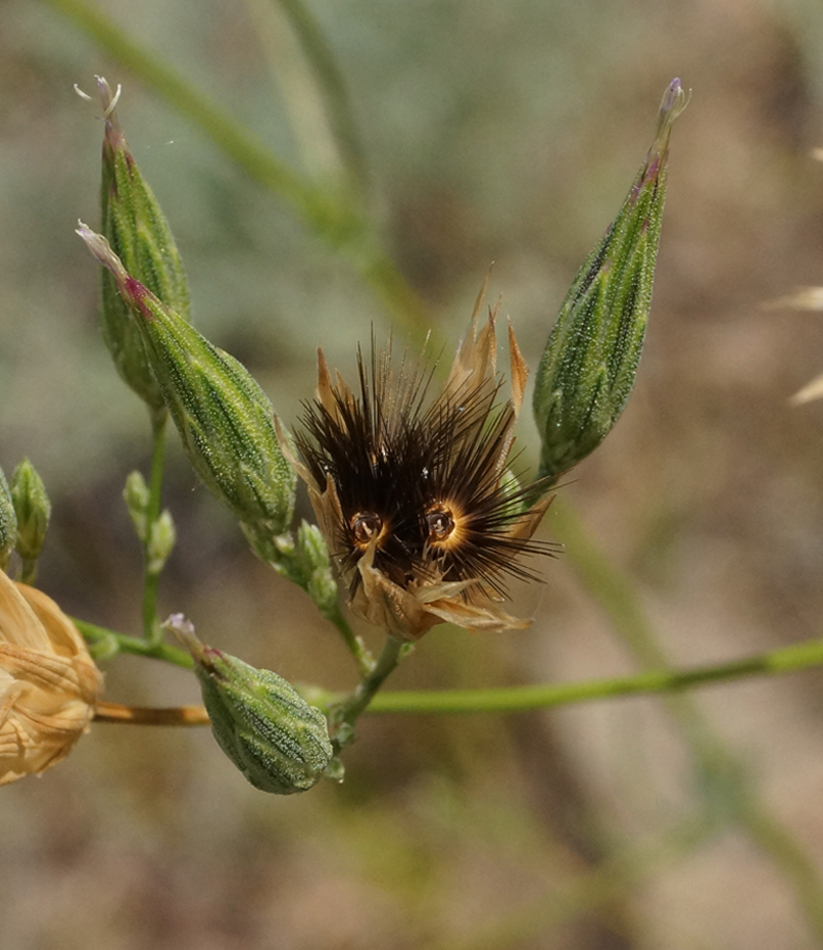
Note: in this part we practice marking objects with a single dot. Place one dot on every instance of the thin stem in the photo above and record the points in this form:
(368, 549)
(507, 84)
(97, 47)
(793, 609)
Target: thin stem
(349, 709)
(796, 864)
(718, 767)
(151, 628)
(103, 644)
(151, 716)
(544, 696)
(361, 653)
(331, 216)
(332, 84)
(509, 699)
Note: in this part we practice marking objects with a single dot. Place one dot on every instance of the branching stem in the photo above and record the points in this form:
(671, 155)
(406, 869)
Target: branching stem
(151, 628)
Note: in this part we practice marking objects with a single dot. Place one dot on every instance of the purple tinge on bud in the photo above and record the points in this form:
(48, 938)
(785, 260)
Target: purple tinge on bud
(224, 418)
(590, 362)
(277, 740)
(139, 235)
(673, 103)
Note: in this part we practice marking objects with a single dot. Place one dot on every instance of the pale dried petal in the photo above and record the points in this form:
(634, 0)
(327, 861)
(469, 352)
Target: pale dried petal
(17, 622)
(519, 372)
(48, 683)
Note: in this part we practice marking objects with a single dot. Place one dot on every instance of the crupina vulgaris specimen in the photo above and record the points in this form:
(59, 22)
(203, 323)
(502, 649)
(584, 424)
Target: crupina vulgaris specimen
(420, 513)
(416, 501)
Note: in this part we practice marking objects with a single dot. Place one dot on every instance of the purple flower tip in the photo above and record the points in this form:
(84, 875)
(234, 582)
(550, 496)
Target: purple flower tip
(671, 96)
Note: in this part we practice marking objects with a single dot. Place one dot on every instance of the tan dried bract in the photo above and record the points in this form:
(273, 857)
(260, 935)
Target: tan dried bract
(48, 682)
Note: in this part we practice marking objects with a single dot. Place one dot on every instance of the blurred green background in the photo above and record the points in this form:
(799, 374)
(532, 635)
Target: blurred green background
(490, 131)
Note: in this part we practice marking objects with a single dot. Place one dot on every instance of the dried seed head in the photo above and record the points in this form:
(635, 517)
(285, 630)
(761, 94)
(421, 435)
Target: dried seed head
(413, 494)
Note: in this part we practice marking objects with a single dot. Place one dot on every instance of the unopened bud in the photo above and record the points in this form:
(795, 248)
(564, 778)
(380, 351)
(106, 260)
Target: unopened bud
(8, 523)
(304, 559)
(136, 497)
(224, 418)
(137, 230)
(33, 510)
(162, 537)
(589, 365)
(277, 740)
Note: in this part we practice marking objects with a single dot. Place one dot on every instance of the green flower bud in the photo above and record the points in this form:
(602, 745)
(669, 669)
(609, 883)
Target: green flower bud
(33, 510)
(277, 740)
(304, 559)
(162, 538)
(136, 497)
(8, 523)
(137, 230)
(589, 365)
(224, 418)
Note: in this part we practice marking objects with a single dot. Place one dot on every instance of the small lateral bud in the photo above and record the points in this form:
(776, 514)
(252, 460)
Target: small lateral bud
(136, 228)
(161, 541)
(277, 740)
(136, 497)
(590, 362)
(8, 523)
(33, 510)
(224, 418)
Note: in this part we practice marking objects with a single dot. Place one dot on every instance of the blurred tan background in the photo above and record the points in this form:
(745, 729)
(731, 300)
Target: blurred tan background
(492, 131)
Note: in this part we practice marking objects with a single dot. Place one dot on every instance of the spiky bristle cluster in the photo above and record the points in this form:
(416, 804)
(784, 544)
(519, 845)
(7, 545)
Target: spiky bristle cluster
(429, 482)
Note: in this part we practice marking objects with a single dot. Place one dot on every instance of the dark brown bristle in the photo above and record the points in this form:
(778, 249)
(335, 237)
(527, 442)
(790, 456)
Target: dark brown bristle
(393, 462)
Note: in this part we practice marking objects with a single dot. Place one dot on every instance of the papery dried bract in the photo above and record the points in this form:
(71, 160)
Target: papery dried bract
(49, 684)
(412, 495)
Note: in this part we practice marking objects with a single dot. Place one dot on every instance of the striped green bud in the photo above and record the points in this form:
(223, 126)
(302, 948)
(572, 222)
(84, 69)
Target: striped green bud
(160, 543)
(590, 362)
(277, 740)
(137, 230)
(224, 418)
(136, 497)
(8, 523)
(304, 559)
(33, 510)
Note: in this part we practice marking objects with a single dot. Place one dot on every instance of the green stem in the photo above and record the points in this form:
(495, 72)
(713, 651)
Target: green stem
(721, 775)
(151, 629)
(509, 699)
(330, 81)
(796, 865)
(361, 653)
(523, 698)
(349, 709)
(331, 216)
(105, 643)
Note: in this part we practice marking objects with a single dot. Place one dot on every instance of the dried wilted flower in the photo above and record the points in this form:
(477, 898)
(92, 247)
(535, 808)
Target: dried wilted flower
(414, 496)
(48, 682)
